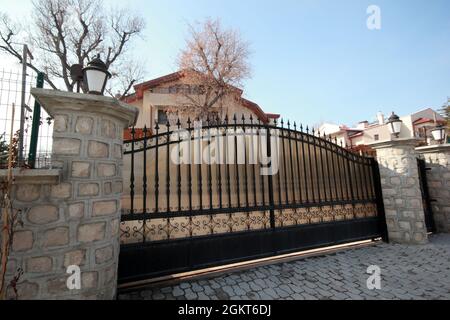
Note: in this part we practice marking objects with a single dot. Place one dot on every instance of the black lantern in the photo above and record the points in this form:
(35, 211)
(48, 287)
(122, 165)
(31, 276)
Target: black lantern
(395, 124)
(95, 76)
(438, 133)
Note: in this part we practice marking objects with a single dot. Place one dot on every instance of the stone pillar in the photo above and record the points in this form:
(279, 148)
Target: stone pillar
(76, 220)
(437, 158)
(402, 196)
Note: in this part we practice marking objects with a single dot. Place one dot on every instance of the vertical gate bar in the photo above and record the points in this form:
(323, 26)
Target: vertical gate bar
(305, 177)
(298, 165)
(310, 165)
(329, 158)
(277, 148)
(371, 180)
(219, 161)
(262, 180)
(227, 167)
(132, 172)
(189, 137)
(156, 167)
(199, 165)
(270, 178)
(254, 159)
(190, 169)
(144, 186)
(168, 169)
(209, 167)
(364, 174)
(361, 180)
(357, 182)
(236, 163)
(292, 176)
(179, 164)
(286, 188)
(343, 175)
(208, 122)
(316, 161)
(350, 178)
(379, 200)
(245, 165)
(333, 149)
(322, 166)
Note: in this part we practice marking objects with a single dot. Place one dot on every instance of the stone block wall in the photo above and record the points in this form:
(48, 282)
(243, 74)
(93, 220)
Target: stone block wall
(402, 196)
(437, 158)
(76, 220)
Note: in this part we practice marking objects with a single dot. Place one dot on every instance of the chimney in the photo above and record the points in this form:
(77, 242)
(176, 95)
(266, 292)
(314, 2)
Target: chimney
(363, 124)
(380, 118)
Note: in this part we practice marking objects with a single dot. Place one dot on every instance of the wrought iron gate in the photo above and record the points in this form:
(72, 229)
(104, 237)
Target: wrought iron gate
(426, 199)
(257, 191)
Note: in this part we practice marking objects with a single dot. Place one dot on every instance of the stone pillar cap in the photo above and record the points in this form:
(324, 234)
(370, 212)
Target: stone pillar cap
(54, 100)
(395, 143)
(440, 148)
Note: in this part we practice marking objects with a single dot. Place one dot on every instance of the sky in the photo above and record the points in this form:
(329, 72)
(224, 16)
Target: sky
(312, 60)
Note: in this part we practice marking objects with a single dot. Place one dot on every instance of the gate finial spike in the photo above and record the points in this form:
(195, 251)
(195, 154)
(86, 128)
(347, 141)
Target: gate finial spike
(178, 122)
(243, 118)
(301, 127)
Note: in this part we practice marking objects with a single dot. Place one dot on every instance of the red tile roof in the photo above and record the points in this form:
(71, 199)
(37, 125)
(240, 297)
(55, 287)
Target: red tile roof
(426, 120)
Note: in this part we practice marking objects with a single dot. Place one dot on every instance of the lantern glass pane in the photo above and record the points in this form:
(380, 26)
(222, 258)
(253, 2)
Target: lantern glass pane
(96, 80)
(394, 127)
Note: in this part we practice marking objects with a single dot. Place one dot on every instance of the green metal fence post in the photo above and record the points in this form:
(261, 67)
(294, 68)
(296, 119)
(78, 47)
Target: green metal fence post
(35, 124)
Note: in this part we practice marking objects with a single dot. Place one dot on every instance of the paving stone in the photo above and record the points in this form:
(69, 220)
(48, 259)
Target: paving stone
(177, 292)
(407, 272)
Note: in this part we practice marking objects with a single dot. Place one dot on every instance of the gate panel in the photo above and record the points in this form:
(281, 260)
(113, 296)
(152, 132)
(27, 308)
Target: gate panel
(243, 190)
(426, 199)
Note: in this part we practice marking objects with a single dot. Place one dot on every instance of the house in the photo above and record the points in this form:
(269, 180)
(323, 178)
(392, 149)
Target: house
(163, 100)
(418, 124)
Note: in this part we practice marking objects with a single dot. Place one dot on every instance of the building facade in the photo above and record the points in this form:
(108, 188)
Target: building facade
(165, 99)
(416, 125)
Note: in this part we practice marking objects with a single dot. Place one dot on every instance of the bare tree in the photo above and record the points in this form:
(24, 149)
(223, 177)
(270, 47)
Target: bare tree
(66, 32)
(216, 63)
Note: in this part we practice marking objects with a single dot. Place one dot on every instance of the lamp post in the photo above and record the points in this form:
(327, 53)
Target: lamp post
(395, 124)
(95, 76)
(92, 78)
(438, 134)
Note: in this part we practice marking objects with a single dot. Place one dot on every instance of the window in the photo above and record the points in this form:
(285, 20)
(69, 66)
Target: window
(162, 117)
(376, 137)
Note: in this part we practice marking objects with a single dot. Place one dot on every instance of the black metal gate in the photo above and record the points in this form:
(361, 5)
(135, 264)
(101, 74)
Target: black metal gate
(426, 199)
(257, 191)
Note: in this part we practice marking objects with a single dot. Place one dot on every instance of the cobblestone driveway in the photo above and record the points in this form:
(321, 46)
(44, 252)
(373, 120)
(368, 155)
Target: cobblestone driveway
(407, 272)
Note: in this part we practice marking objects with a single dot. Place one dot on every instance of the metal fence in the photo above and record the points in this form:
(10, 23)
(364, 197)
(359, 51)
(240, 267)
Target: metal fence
(240, 189)
(311, 172)
(14, 95)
